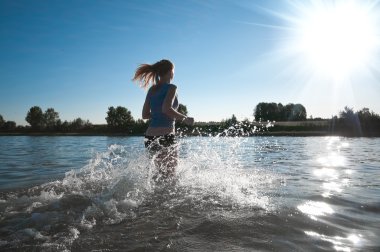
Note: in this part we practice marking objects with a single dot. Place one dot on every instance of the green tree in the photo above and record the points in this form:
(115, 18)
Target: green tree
(347, 114)
(366, 116)
(79, 124)
(277, 112)
(281, 113)
(230, 122)
(299, 112)
(182, 109)
(51, 118)
(35, 117)
(260, 111)
(2, 121)
(65, 126)
(9, 125)
(119, 118)
(140, 126)
(288, 108)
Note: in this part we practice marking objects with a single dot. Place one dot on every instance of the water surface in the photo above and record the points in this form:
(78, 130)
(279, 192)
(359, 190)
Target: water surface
(229, 194)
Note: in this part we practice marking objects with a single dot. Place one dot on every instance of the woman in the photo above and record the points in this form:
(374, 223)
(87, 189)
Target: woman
(160, 107)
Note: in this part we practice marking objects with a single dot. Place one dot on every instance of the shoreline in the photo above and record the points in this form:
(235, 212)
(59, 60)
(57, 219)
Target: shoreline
(258, 134)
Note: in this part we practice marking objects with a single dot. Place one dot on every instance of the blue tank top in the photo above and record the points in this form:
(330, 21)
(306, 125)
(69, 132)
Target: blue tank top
(159, 119)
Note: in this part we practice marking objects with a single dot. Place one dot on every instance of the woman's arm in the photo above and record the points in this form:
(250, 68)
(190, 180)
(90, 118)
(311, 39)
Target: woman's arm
(146, 108)
(167, 107)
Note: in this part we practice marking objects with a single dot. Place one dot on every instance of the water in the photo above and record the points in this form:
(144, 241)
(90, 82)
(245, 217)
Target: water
(229, 194)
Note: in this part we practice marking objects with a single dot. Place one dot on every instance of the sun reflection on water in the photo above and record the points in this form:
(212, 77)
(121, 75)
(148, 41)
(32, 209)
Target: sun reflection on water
(340, 243)
(313, 209)
(334, 176)
(333, 159)
(326, 172)
(333, 186)
(333, 167)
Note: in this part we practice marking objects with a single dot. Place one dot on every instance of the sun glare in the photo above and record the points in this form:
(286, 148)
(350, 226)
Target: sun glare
(338, 39)
(335, 38)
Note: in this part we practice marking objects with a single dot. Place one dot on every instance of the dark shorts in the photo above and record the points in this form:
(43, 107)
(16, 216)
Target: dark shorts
(158, 142)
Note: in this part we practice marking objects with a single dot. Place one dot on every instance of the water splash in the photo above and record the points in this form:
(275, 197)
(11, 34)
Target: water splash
(117, 184)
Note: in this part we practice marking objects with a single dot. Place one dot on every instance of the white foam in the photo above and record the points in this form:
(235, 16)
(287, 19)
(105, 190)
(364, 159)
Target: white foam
(115, 183)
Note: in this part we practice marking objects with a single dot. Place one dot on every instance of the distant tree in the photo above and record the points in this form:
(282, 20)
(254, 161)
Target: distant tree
(277, 112)
(79, 124)
(182, 109)
(51, 118)
(288, 108)
(233, 120)
(348, 122)
(58, 124)
(2, 121)
(140, 126)
(347, 114)
(119, 118)
(364, 113)
(9, 125)
(65, 126)
(295, 112)
(35, 117)
(281, 113)
(260, 111)
(367, 116)
(268, 111)
(230, 122)
(299, 112)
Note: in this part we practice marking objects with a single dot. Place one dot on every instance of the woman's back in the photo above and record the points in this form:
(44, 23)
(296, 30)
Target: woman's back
(157, 96)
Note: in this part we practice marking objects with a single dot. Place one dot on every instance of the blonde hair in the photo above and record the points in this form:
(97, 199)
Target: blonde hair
(148, 74)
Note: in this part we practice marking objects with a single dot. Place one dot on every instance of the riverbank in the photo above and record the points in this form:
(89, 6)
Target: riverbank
(267, 133)
(244, 128)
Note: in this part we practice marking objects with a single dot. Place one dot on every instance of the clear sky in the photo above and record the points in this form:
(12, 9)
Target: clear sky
(78, 57)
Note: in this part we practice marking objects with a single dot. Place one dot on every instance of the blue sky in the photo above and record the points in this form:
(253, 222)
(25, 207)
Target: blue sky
(78, 57)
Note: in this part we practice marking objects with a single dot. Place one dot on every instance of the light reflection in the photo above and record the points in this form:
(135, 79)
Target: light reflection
(333, 186)
(326, 194)
(313, 209)
(332, 176)
(348, 171)
(326, 172)
(344, 144)
(333, 159)
(331, 141)
(340, 243)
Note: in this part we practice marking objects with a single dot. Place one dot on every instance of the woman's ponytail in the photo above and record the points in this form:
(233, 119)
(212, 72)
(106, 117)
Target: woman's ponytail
(147, 74)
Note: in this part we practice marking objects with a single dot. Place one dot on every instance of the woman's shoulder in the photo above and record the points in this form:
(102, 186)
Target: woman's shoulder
(171, 85)
(151, 90)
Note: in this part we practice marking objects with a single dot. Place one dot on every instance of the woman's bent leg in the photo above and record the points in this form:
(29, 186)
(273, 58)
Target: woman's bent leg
(164, 152)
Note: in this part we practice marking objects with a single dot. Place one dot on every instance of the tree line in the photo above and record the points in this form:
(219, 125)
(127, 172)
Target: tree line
(277, 112)
(7, 125)
(360, 123)
(50, 121)
(119, 120)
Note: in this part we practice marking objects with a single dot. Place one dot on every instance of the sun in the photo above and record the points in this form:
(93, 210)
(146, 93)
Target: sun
(339, 38)
(335, 38)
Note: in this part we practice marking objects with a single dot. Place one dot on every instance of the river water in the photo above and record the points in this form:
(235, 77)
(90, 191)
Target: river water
(228, 194)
